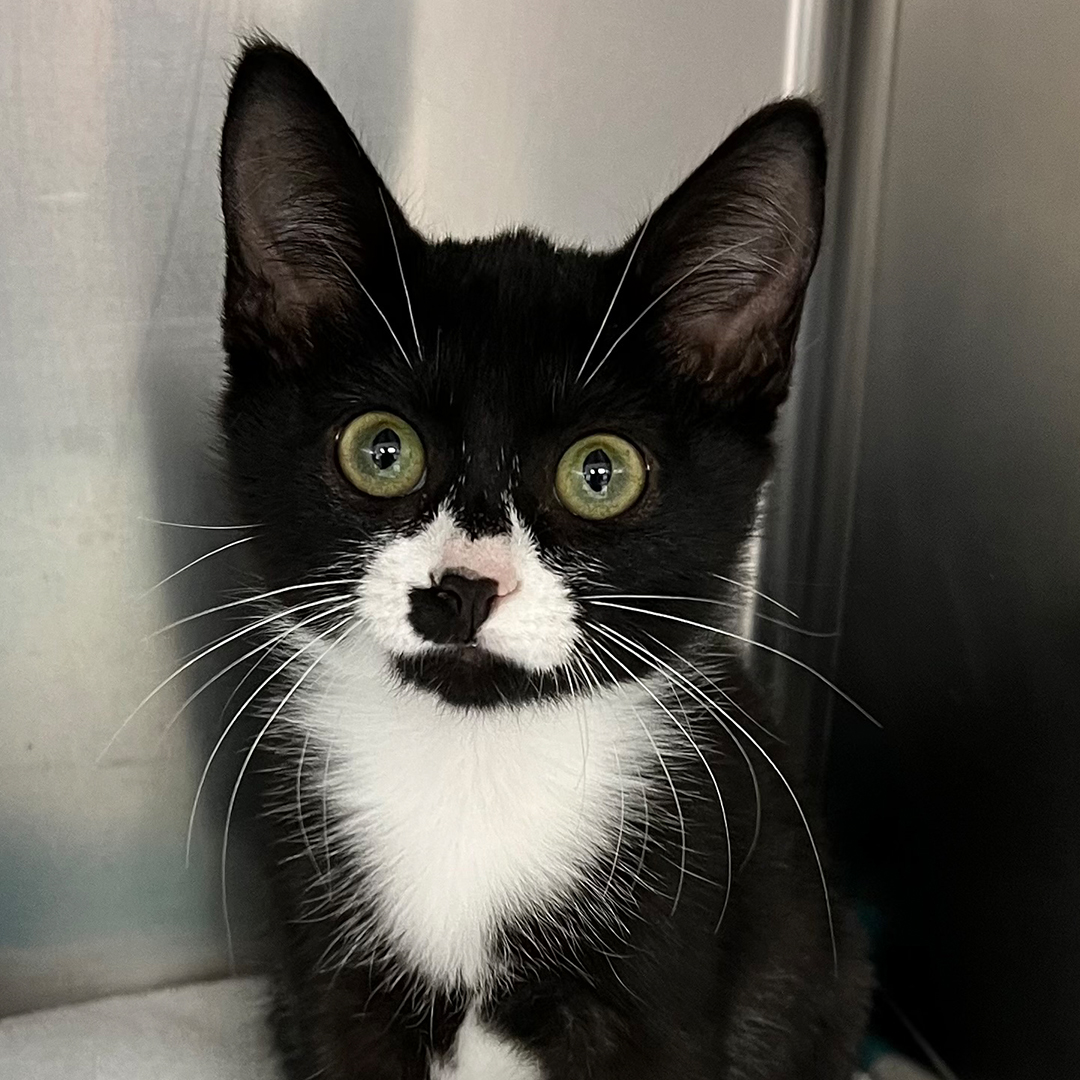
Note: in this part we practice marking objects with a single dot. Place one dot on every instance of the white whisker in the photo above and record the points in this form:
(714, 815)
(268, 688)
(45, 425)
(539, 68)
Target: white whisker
(719, 713)
(229, 726)
(247, 759)
(688, 735)
(236, 663)
(592, 646)
(806, 825)
(719, 689)
(656, 300)
(352, 273)
(718, 603)
(622, 822)
(635, 878)
(195, 562)
(614, 297)
(756, 592)
(401, 271)
(201, 654)
(748, 641)
(300, 805)
(326, 828)
(252, 600)
(189, 525)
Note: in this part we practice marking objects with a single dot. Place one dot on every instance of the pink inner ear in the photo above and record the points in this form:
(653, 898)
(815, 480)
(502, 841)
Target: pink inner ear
(487, 557)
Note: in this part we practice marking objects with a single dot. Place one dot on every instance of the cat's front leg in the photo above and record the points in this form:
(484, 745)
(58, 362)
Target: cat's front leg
(346, 1029)
(574, 1034)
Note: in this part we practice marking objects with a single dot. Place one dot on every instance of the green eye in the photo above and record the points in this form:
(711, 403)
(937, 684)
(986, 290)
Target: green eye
(381, 454)
(599, 477)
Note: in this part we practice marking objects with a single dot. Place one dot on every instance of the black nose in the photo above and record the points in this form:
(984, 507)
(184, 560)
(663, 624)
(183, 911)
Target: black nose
(450, 612)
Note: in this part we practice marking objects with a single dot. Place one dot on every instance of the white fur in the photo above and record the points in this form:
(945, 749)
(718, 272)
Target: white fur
(466, 820)
(532, 626)
(479, 1054)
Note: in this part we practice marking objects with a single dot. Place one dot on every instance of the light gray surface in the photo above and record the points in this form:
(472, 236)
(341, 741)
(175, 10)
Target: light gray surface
(573, 117)
(210, 1031)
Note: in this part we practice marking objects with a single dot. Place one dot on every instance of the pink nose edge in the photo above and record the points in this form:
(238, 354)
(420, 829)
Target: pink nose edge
(488, 557)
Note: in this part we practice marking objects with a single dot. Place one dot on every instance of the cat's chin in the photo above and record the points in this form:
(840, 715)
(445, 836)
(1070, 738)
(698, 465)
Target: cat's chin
(474, 678)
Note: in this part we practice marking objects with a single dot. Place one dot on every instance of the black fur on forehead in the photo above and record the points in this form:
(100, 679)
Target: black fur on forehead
(502, 352)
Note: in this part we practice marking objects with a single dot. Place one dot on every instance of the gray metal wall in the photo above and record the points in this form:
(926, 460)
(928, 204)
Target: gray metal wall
(930, 512)
(570, 116)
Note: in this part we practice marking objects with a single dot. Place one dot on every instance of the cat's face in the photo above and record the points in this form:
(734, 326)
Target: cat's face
(484, 446)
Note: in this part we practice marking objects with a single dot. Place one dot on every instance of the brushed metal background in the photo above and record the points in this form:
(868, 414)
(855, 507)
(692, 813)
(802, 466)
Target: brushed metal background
(928, 516)
(962, 595)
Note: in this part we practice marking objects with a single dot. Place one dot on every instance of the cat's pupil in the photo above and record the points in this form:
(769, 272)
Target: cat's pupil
(386, 449)
(596, 469)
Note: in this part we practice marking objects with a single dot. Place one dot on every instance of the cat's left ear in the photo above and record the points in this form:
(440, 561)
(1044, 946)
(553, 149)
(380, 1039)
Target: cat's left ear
(725, 260)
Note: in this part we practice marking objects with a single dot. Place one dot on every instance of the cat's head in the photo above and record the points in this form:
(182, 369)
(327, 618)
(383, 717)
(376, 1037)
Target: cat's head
(490, 450)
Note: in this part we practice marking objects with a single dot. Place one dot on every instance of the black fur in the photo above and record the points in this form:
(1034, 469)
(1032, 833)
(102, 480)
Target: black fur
(313, 239)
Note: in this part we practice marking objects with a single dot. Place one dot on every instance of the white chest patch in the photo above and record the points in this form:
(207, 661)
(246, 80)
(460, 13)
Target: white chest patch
(479, 1054)
(463, 821)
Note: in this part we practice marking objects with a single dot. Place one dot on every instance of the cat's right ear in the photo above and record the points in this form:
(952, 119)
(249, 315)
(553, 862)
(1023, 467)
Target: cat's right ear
(310, 226)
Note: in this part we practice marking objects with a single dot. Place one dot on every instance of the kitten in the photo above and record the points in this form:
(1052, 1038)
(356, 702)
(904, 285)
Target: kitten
(527, 824)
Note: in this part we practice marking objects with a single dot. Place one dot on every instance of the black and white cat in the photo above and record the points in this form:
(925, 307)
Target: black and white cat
(527, 824)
